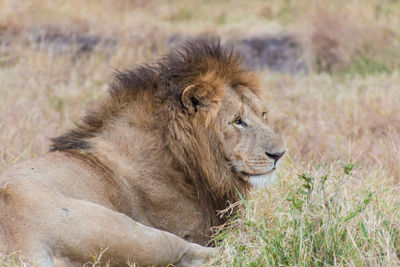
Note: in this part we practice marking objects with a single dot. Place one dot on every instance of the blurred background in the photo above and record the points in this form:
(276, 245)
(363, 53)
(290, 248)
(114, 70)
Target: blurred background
(330, 65)
(330, 68)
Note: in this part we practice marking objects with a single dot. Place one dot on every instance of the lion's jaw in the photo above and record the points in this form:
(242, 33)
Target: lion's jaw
(250, 145)
(262, 181)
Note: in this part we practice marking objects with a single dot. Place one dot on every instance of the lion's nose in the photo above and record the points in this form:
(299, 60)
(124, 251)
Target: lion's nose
(275, 156)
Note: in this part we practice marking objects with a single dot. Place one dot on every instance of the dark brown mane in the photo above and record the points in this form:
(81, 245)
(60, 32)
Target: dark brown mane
(164, 80)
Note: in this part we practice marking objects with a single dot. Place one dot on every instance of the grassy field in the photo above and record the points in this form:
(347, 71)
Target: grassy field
(337, 201)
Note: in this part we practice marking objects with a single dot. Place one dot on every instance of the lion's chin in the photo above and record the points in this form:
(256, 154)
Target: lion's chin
(263, 180)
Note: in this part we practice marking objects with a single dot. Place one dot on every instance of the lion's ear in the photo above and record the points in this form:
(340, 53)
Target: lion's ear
(201, 96)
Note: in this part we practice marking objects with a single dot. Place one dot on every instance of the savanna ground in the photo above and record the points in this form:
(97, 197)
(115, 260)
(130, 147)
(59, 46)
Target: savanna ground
(337, 199)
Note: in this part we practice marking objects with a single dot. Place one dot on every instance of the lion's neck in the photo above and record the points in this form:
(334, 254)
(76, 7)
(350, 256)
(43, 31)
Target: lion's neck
(197, 150)
(185, 161)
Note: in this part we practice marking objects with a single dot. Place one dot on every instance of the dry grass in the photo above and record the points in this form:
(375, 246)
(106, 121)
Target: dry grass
(337, 201)
(345, 111)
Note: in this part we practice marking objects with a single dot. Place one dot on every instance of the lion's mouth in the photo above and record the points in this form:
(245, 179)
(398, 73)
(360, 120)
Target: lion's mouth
(259, 180)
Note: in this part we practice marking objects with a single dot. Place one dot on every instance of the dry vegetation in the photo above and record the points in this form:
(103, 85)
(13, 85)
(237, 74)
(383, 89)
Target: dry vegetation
(338, 196)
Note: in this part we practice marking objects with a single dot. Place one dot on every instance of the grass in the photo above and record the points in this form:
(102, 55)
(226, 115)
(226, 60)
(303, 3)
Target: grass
(337, 200)
(365, 66)
(316, 220)
(14, 260)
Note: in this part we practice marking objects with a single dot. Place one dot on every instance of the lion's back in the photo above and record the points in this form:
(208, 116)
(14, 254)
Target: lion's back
(59, 173)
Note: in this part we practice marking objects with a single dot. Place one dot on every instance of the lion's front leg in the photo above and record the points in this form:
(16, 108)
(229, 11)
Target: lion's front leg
(75, 230)
(91, 227)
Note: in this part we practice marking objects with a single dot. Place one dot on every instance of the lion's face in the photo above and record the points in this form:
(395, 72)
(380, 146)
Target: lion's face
(228, 96)
(249, 143)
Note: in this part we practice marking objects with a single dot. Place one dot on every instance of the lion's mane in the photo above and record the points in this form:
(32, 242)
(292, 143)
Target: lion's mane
(195, 149)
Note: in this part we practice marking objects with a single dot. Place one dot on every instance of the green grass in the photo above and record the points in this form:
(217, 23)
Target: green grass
(318, 221)
(367, 66)
(14, 260)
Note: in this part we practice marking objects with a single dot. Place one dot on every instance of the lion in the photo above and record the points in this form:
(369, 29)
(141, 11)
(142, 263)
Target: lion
(143, 175)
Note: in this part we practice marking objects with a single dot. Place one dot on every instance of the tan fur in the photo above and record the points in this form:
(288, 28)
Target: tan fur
(144, 175)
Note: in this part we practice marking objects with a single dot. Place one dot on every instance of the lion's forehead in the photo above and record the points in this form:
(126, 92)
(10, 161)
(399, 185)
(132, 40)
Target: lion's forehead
(236, 99)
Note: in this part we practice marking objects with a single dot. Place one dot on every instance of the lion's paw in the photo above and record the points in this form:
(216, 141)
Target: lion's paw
(196, 255)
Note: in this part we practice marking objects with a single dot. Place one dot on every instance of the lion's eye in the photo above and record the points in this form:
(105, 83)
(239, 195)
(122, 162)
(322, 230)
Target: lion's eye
(240, 122)
(264, 115)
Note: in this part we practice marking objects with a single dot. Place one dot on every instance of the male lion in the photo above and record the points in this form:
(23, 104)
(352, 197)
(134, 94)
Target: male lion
(144, 174)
